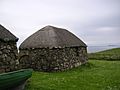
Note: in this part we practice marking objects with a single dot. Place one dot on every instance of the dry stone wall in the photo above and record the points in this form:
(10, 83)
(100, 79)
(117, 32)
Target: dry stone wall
(8, 56)
(56, 59)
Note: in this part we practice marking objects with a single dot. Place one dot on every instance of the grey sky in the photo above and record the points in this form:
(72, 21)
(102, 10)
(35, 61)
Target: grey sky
(96, 22)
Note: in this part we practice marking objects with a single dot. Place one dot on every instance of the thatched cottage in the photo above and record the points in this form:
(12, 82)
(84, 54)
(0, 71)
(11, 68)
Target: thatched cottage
(8, 50)
(52, 49)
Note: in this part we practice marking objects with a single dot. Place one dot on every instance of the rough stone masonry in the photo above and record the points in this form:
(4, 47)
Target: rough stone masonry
(56, 59)
(8, 57)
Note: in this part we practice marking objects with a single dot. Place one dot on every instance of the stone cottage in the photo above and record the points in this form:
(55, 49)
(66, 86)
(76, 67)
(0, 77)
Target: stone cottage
(52, 49)
(8, 50)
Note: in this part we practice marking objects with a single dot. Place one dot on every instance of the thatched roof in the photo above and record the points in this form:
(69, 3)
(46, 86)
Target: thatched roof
(50, 36)
(6, 35)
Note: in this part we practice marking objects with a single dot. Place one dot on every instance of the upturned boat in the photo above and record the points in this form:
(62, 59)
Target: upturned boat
(11, 80)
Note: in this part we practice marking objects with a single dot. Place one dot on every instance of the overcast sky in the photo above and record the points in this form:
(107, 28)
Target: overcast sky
(96, 22)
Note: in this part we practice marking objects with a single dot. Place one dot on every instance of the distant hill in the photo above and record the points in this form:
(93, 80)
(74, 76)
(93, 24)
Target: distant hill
(93, 49)
(110, 54)
(110, 51)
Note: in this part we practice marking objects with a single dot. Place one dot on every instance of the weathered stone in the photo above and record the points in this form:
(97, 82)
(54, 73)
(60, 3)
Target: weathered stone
(0, 52)
(8, 47)
(8, 56)
(57, 59)
(2, 70)
(7, 70)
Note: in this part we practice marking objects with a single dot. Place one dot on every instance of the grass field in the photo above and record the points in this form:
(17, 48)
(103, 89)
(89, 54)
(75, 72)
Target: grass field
(110, 51)
(111, 54)
(96, 75)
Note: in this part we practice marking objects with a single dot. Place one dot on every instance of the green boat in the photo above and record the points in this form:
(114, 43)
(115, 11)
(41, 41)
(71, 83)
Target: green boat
(14, 79)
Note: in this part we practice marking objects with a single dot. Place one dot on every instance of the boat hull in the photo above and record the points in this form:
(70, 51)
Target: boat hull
(15, 78)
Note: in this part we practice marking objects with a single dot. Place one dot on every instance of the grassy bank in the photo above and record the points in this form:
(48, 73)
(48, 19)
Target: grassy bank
(111, 54)
(96, 75)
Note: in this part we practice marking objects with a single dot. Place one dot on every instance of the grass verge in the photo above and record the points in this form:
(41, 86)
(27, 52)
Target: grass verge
(96, 75)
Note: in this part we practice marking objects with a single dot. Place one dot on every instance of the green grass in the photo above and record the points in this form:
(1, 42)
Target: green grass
(111, 54)
(96, 75)
(110, 51)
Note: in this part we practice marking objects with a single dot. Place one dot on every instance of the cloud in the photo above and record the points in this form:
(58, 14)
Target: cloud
(95, 21)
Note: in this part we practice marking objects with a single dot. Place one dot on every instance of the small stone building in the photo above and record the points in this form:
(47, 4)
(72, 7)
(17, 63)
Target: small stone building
(52, 49)
(8, 50)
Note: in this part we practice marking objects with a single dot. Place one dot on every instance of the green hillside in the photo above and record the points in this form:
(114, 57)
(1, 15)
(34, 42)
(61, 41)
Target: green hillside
(111, 54)
(110, 51)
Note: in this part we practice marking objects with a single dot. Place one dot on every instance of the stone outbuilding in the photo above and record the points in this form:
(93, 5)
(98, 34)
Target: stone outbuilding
(52, 49)
(8, 50)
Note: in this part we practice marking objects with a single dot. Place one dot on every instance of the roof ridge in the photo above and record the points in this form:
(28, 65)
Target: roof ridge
(6, 35)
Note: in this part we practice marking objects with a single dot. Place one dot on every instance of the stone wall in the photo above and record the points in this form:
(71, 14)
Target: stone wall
(8, 56)
(56, 59)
